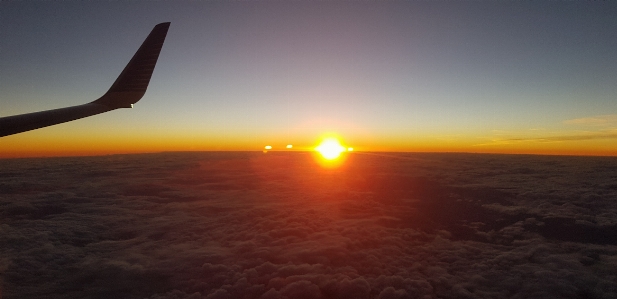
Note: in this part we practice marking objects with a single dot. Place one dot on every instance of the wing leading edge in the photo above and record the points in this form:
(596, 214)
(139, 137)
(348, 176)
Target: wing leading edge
(127, 90)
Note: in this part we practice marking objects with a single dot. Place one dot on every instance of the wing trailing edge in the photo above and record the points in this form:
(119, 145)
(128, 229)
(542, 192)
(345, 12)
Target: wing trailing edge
(127, 90)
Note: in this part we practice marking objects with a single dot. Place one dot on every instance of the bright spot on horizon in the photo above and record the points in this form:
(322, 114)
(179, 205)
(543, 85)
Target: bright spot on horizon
(289, 146)
(330, 148)
(268, 147)
(350, 149)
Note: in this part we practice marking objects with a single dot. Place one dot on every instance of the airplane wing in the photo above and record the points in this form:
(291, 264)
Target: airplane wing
(128, 88)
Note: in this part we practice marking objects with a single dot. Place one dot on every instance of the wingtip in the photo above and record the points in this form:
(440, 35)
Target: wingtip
(132, 83)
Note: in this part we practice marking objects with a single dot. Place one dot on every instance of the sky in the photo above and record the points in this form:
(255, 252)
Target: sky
(483, 77)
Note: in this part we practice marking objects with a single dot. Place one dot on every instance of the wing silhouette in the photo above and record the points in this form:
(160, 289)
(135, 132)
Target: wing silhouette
(128, 88)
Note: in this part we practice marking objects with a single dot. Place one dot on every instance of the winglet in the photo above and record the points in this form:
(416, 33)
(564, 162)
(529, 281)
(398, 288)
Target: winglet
(132, 83)
(129, 88)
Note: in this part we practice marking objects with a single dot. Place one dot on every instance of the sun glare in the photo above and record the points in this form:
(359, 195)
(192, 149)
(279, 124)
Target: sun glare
(330, 148)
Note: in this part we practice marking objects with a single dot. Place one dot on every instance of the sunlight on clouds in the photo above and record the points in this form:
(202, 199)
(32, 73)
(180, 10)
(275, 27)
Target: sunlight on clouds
(595, 135)
(600, 120)
(576, 136)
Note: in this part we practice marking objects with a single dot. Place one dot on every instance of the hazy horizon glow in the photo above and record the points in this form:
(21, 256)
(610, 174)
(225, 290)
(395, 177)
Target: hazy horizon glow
(517, 78)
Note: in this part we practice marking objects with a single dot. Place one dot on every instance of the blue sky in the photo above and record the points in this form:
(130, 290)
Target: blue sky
(471, 76)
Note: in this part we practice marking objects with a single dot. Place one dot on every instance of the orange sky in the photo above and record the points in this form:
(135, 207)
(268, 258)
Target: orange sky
(54, 141)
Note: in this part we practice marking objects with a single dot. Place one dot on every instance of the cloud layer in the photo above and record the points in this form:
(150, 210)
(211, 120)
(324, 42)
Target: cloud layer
(277, 225)
(600, 120)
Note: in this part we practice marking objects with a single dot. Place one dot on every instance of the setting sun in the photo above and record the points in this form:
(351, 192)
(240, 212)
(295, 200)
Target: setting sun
(330, 148)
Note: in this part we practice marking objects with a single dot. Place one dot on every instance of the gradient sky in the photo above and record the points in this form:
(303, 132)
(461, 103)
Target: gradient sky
(396, 76)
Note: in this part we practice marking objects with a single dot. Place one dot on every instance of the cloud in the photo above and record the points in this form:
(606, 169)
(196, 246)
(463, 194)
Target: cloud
(600, 120)
(583, 136)
(381, 226)
(606, 124)
(576, 137)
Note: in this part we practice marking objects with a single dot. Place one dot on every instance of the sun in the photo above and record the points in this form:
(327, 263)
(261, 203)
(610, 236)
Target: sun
(330, 148)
